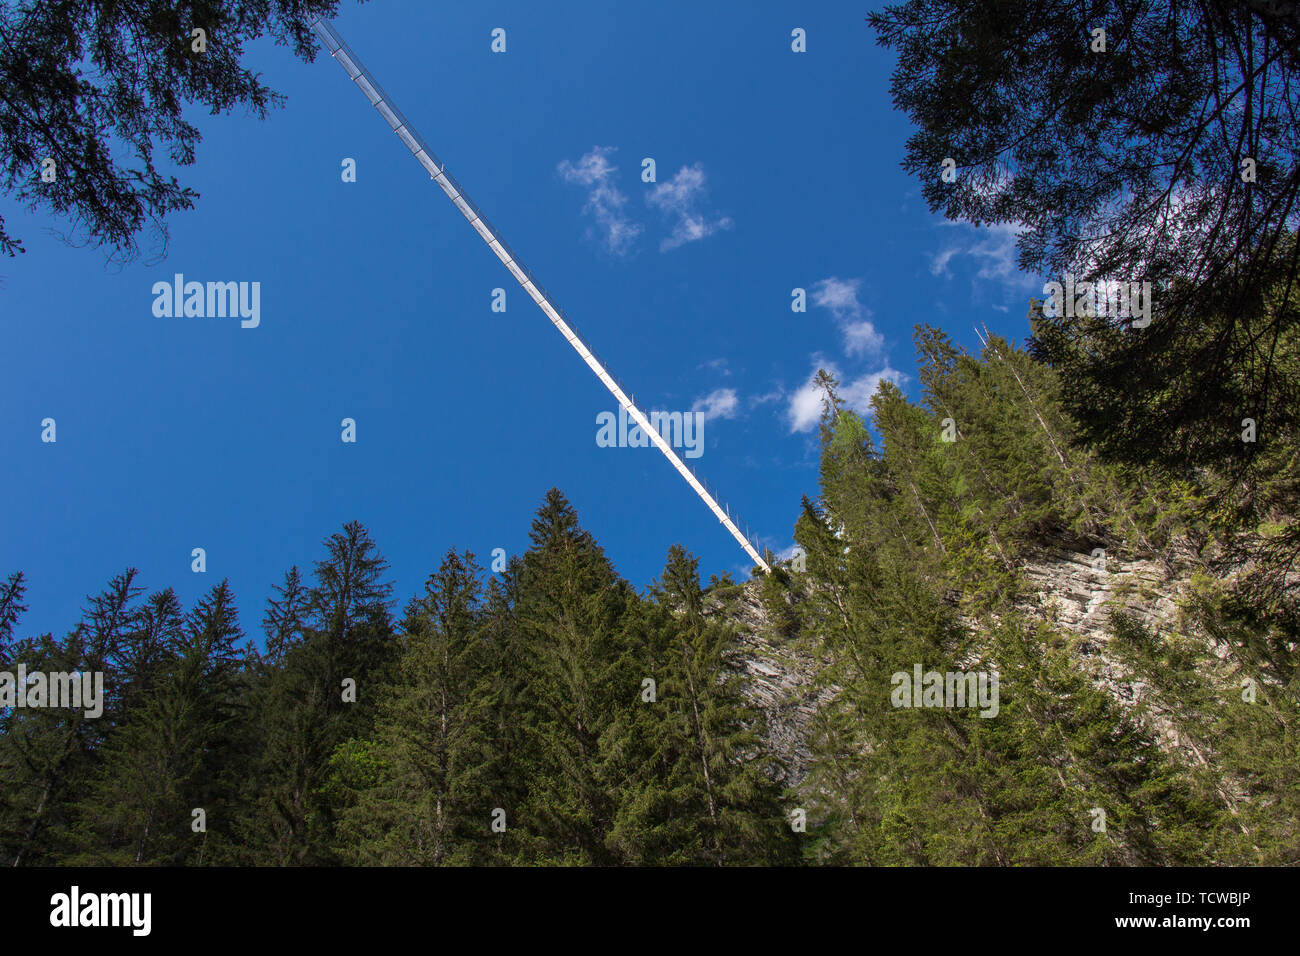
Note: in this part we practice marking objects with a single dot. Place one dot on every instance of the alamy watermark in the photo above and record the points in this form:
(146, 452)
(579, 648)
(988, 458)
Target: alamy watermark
(1124, 300)
(76, 690)
(216, 300)
(76, 909)
(678, 429)
(948, 689)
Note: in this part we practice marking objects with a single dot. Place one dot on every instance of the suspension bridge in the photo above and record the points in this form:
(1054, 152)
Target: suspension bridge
(437, 171)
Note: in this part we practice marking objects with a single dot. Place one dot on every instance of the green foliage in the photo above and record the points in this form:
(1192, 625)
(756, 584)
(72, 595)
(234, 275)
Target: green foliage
(915, 557)
(173, 753)
(551, 715)
(423, 783)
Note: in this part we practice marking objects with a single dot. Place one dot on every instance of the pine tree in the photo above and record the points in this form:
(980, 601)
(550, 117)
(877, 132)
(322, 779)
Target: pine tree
(46, 754)
(300, 708)
(569, 610)
(11, 608)
(727, 795)
(285, 619)
(420, 786)
(899, 545)
(155, 637)
(174, 754)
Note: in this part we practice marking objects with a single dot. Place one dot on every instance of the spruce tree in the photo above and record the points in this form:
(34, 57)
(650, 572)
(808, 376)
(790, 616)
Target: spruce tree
(174, 754)
(321, 692)
(569, 610)
(47, 754)
(420, 785)
(726, 779)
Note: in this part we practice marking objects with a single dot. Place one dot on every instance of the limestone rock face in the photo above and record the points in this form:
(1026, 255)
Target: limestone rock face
(779, 678)
(1065, 588)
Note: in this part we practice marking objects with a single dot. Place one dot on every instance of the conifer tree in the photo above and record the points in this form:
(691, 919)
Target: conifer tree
(11, 607)
(724, 776)
(173, 755)
(423, 795)
(285, 619)
(46, 754)
(569, 610)
(894, 553)
(322, 692)
(157, 636)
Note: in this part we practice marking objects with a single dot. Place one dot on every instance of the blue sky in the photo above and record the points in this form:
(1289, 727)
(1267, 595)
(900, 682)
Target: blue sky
(775, 170)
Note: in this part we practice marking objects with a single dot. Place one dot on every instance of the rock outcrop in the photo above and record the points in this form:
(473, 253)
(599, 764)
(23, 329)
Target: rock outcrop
(1065, 588)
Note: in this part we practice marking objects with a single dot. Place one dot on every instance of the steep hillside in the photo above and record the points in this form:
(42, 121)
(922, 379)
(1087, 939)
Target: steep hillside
(1064, 589)
(996, 647)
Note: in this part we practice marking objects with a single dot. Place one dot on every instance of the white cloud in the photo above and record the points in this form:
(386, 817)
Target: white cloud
(678, 199)
(717, 365)
(993, 247)
(805, 408)
(857, 393)
(840, 296)
(721, 403)
(861, 338)
(939, 264)
(605, 201)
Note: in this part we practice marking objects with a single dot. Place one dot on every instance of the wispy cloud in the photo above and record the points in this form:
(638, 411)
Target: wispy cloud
(679, 200)
(840, 296)
(786, 553)
(718, 365)
(939, 264)
(993, 247)
(805, 408)
(720, 403)
(605, 201)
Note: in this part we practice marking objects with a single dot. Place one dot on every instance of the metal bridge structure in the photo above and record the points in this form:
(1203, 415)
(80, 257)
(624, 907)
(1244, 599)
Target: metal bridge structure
(437, 171)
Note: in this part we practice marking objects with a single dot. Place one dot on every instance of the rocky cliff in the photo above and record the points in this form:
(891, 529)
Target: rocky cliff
(1074, 591)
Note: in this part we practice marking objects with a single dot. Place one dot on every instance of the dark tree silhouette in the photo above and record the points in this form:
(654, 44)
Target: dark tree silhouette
(98, 85)
(1171, 157)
